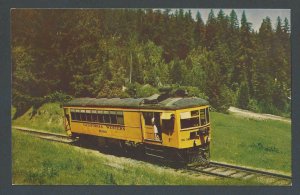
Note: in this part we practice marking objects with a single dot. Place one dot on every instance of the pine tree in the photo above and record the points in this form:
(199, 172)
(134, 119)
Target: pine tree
(244, 67)
(199, 32)
(211, 28)
(234, 23)
(234, 43)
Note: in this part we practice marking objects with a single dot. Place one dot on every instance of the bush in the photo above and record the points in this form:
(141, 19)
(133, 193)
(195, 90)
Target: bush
(267, 107)
(131, 89)
(109, 90)
(57, 96)
(222, 99)
(253, 105)
(173, 90)
(146, 91)
(136, 90)
(192, 91)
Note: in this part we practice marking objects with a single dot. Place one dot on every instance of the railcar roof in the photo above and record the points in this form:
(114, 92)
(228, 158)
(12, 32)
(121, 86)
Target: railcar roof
(172, 103)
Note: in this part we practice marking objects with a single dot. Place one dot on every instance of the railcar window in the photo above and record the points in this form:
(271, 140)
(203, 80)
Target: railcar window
(82, 116)
(106, 117)
(73, 115)
(94, 117)
(113, 117)
(195, 113)
(202, 117)
(194, 118)
(77, 115)
(100, 116)
(189, 122)
(148, 118)
(120, 118)
(207, 115)
(88, 115)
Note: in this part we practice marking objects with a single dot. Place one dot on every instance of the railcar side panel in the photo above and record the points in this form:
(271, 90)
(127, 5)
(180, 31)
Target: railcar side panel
(133, 129)
(130, 130)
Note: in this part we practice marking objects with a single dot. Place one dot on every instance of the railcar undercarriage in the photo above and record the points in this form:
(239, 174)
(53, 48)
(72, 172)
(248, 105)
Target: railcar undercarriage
(197, 155)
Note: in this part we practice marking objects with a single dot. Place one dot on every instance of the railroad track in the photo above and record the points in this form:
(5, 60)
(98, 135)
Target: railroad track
(46, 135)
(238, 172)
(215, 168)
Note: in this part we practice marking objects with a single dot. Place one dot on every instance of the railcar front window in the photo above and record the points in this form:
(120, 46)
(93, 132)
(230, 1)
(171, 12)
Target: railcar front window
(194, 118)
(190, 122)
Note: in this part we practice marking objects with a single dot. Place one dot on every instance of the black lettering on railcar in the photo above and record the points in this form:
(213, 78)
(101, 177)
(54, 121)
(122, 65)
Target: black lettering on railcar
(115, 127)
(92, 125)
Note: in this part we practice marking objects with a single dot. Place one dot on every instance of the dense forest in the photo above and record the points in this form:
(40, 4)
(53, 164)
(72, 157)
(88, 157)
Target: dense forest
(59, 53)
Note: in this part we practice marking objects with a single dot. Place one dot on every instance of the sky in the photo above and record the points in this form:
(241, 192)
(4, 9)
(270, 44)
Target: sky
(254, 16)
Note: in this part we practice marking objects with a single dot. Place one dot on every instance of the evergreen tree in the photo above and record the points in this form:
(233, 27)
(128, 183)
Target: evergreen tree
(222, 26)
(234, 43)
(234, 23)
(211, 28)
(199, 32)
(243, 96)
(244, 67)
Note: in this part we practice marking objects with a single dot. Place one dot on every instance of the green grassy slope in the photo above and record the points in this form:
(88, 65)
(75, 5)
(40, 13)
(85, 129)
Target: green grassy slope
(48, 117)
(36, 161)
(262, 144)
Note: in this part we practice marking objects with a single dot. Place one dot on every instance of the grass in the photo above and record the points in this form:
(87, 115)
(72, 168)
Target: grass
(38, 162)
(249, 142)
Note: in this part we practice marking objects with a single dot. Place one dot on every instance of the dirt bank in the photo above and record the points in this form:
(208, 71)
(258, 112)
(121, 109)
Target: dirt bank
(259, 116)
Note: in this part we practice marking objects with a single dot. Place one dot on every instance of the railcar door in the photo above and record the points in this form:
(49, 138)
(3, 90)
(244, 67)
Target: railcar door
(66, 120)
(151, 125)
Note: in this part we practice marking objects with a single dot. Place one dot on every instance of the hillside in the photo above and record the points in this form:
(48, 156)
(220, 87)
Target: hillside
(48, 117)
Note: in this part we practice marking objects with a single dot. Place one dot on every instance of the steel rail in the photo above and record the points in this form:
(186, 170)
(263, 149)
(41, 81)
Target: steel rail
(46, 135)
(238, 172)
(250, 170)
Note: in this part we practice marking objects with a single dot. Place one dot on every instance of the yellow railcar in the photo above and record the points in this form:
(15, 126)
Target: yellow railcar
(176, 128)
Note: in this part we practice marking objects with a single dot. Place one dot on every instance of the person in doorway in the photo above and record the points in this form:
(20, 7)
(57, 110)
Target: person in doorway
(156, 136)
